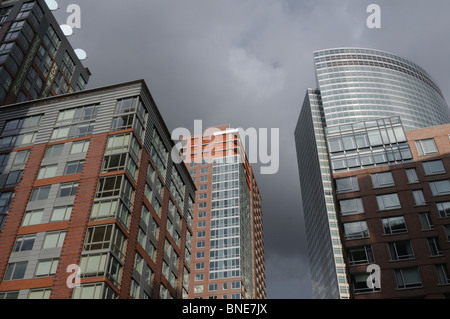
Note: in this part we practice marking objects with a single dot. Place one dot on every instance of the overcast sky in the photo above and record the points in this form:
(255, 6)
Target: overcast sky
(248, 63)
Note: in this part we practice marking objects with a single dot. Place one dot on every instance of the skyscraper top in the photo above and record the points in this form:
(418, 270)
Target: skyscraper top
(358, 84)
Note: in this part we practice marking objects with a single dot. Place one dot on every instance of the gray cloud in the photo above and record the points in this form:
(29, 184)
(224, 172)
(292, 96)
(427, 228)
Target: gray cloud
(249, 63)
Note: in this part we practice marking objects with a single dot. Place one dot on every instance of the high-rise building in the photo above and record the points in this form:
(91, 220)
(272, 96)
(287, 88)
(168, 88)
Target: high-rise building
(228, 244)
(36, 58)
(355, 85)
(88, 183)
(396, 216)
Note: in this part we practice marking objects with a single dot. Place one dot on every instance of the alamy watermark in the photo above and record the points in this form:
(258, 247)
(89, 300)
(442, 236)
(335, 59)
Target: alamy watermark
(73, 280)
(374, 279)
(374, 19)
(257, 148)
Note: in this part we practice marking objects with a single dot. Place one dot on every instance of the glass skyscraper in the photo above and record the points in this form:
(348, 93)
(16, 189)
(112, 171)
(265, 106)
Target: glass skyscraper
(354, 85)
(364, 84)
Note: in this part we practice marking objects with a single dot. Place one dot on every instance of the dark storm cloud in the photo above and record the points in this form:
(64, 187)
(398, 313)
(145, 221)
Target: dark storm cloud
(248, 64)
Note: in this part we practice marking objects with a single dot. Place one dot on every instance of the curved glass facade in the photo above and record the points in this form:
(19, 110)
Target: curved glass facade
(359, 84)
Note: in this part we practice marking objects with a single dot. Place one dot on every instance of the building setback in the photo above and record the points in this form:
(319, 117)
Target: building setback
(228, 244)
(87, 180)
(355, 85)
(36, 59)
(398, 216)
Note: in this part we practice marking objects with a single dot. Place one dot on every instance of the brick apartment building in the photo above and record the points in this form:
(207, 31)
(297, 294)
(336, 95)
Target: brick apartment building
(228, 243)
(87, 179)
(396, 216)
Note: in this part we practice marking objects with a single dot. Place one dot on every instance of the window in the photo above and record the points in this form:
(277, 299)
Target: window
(213, 287)
(20, 160)
(109, 186)
(39, 293)
(68, 189)
(201, 234)
(425, 219)
(360, 255)
(80, 147)
(388, 201)
(110, 209)
(74, 167)
(356, 230)
(17, 140)
(201, 224)
(9, 294)
(433, 167)
(122, 122)
(24, 243)
(359, 283)
(335, 145)
(426, 147)
(384, 179)
(199, 277)
(442, 273)
(118, 143)
(85, 113)
(351, 206)
(13, 179)
(61, 213)
(419, 199)
(443, 209)
(435, 248)
(47, 171)
(401, 250)
(73, 131)
(54, 239)
(134, 289)
(200, 265)
(88, 291)
(40, 193)
(33, 217)
(114, 162)
(54, 151)
(439, 188)
(16, 271)
(408, 278)
(98, 237)
(411, 174)
(236, 285)
(347, 184)
(394, 225)
(198, 289)
(15, 126)
(201, 244)
(447, 232)
(5, 201)
(46, 267)
(200, 255)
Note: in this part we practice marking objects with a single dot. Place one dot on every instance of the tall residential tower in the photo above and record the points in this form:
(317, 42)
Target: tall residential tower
(228, 245)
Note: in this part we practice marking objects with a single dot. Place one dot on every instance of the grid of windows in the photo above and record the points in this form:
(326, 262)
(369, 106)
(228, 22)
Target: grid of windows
(225, 223)
(367, 144)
